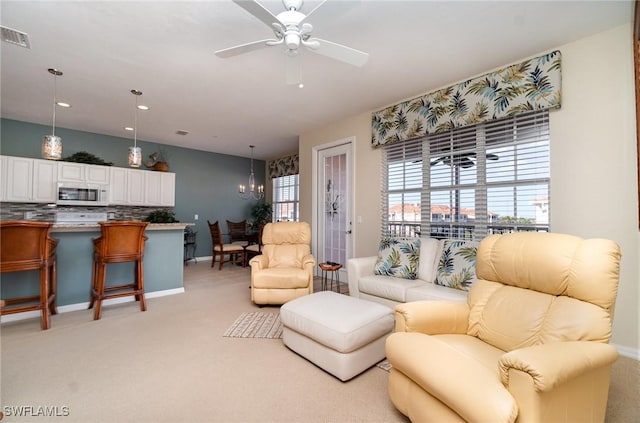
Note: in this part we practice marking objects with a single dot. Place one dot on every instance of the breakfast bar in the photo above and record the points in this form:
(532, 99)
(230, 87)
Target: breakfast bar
(163, 265)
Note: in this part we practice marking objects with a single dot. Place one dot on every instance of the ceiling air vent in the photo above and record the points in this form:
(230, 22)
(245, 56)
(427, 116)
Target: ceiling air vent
(15, 37)
(181, 132)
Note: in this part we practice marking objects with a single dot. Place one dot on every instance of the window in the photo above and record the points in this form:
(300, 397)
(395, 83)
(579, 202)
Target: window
(477, 180)
(285, 198)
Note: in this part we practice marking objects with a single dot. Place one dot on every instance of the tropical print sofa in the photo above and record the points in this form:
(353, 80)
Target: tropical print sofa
(413, 269)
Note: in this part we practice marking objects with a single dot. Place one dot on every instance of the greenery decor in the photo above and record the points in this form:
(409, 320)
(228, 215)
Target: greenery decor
(161, 216)
(260, 213)
(84, 157)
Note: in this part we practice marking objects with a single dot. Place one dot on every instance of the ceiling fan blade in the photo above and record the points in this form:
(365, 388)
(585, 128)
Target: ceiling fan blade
(294, 73)
(331, 10)
(243, 48)
(338, 51)
(257, 10)
(314, 9)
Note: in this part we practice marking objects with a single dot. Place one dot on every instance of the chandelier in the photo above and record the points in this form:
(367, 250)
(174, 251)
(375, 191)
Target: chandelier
(254, 193)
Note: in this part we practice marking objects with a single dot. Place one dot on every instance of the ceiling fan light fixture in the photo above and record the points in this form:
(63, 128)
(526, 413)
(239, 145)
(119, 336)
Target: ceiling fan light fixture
(291, 29)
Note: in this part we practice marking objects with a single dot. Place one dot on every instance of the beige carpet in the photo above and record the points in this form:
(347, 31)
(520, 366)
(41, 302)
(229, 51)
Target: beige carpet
(172, 364)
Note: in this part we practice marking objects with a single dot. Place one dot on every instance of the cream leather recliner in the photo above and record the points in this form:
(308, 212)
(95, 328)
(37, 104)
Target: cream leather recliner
(530, 344)
(284, 270)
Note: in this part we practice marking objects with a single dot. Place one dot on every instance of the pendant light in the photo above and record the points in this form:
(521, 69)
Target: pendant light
(51, 144)
(135, 152)
(255, 193)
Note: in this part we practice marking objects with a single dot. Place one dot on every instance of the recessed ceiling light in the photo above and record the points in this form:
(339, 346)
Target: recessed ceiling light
(143, 107)
(62, 104)
(128, 128)
(301, 85)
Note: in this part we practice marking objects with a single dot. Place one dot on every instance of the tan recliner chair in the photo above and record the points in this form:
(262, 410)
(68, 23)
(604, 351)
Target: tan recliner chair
(284, 270)
(529, 345)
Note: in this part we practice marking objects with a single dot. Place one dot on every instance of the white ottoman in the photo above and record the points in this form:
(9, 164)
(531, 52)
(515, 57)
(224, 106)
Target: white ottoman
(340, 334)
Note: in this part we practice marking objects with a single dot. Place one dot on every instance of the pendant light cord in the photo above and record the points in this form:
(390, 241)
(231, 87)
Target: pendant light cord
(135, 124)
(55, 89)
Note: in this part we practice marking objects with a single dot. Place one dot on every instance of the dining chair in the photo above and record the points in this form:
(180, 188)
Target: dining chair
(219, 248)
(255, 249)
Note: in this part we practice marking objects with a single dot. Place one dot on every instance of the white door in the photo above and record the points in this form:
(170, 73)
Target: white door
(332, 203)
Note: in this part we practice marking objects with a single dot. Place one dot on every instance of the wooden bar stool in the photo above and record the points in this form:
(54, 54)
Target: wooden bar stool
(27, 245)
(121, 241)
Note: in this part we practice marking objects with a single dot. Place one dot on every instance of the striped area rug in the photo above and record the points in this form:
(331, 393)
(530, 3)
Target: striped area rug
(256, 324)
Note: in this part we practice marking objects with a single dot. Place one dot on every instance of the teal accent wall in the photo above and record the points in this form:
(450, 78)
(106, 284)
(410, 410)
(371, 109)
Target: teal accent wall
(163, 267)
(206, 183)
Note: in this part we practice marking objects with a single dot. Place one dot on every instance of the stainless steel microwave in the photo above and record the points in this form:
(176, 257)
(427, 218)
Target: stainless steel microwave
(79, 194)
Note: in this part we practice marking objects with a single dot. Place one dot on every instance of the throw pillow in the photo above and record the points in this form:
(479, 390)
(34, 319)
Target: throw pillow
(398, 257)
(457, 266)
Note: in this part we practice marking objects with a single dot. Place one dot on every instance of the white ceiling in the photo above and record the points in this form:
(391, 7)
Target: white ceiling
(165, 49)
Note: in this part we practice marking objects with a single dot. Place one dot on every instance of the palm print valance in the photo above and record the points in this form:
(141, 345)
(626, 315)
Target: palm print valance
(531, 85)
(283, 166)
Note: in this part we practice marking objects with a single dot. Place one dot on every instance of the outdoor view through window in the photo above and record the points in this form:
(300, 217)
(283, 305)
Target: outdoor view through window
(477, 180)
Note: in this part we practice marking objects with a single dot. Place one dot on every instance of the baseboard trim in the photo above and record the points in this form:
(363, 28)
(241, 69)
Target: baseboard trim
(627, 352)
(83, 306)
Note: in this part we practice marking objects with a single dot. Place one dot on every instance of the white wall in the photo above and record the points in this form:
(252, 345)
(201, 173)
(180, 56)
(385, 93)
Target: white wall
(593, 164)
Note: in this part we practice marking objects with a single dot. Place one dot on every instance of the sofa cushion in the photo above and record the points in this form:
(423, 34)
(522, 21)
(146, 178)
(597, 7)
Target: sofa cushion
(457, 266)
(431, 291)
(398, 257)
(387, 287)
(430, 250)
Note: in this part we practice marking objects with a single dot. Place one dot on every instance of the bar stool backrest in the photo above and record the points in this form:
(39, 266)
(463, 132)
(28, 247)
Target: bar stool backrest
(25, 245)
(120, 241)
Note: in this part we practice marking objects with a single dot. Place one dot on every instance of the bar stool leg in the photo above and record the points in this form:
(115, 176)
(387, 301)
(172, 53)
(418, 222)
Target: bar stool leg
(140, 285)
(53, 291)
(45, 318)
(100, 277)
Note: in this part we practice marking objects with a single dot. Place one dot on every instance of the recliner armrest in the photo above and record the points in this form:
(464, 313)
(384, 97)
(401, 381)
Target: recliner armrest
(432, 317)
(554, 363)
(259, 262)
(308, 263)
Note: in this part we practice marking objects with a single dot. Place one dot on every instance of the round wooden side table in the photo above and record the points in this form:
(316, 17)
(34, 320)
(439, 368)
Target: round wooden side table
(333, 268)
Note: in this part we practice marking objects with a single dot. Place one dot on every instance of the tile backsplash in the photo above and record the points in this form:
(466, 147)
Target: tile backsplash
(47, 213)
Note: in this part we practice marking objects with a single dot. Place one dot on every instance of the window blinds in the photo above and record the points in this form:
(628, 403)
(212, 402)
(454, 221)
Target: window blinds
(469, 182)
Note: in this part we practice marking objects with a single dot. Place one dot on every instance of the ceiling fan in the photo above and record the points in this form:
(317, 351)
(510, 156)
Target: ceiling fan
(291, 29)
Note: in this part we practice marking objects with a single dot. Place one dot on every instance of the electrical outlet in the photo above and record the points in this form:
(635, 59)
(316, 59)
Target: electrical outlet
(195, 217)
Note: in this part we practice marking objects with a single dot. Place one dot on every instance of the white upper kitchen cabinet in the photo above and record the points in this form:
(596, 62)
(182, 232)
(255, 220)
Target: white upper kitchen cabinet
(3, 178)
(45, 187)
(71, 172)
(19, 179)
(168, 189)
(135, 187)
(118, 185)
(83, 173)
(26, 180)
(97, 174)
(160, 189)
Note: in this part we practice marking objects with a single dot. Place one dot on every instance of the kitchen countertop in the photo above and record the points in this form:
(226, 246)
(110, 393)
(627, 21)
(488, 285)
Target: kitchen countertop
(93, 227)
